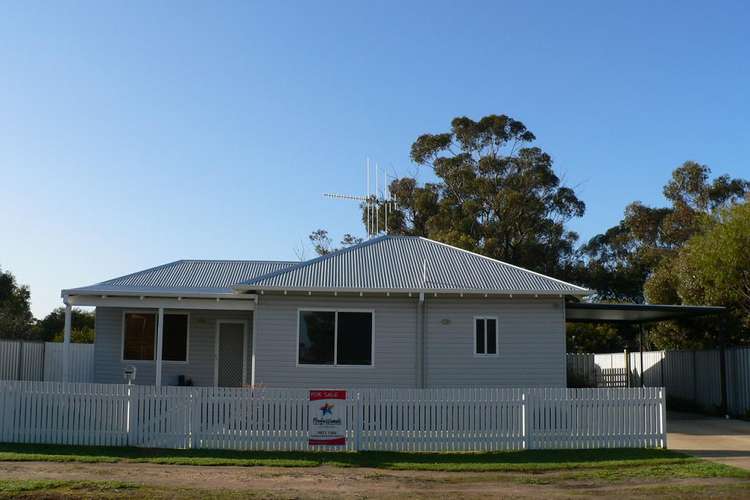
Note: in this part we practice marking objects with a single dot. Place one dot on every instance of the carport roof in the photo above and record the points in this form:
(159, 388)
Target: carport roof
(584, 312)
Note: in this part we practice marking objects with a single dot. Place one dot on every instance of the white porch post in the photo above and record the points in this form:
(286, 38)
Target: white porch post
(159, 342)
(66, 343)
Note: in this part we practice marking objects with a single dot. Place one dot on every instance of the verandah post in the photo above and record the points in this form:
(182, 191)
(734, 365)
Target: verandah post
(159, 344)
(66, 342)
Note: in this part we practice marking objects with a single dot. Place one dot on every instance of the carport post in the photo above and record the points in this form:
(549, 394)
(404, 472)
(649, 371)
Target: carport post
(640, 342)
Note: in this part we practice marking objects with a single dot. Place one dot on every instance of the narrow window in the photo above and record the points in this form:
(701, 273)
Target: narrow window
(174, 346)
(480, 336)
(485, 336)
(317, 331)
(491, 336)
(139, 335)
(354, 338)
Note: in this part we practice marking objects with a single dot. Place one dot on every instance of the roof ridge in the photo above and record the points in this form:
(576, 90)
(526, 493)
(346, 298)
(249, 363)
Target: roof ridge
(260, 261)
(505, 263)
(315, 260)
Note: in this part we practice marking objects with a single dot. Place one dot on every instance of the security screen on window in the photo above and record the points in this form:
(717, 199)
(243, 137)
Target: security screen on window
(335, 338)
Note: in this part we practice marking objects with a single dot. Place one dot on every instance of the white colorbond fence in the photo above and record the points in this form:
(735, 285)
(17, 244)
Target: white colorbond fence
(376, 419)
(20, 360)
(687, 375)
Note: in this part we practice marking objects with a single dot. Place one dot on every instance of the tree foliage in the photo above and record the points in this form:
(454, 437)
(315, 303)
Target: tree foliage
(16, 320)
(51, 327)
(618, 262)
(495, 194)
(84, 335)
(323, 244)
(713, 268)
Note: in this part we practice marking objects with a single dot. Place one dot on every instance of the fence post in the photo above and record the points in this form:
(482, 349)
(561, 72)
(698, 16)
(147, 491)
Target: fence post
(128, 422)
(527, 412)
(357, 423)
(663, 416)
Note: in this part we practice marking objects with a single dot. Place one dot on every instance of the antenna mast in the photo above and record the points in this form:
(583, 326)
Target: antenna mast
(372, 201)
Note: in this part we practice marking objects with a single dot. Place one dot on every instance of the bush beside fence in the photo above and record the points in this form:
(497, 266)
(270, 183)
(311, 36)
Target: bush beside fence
(476, 419)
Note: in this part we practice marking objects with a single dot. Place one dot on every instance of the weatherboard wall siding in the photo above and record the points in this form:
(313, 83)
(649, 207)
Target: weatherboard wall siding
(394, 352)
(531, 343)
(108, 366)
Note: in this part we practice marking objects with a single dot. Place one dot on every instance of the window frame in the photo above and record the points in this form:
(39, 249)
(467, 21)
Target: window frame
(485, 317)
(156, 331)
(335, 364)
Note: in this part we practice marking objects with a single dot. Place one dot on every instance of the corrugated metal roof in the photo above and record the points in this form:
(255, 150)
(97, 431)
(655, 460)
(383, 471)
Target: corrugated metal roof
(393, 263)
(190, 276)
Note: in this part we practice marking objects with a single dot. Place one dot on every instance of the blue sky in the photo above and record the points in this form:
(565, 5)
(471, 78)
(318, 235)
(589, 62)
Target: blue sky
(136, 133)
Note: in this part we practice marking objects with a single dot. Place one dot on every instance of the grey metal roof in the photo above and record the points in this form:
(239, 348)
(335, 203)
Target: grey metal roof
(187, 276)
(409, 263)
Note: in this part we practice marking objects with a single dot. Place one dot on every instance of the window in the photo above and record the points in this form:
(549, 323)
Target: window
(139, 341)
(174, 343)
(317, 336)
(335, 338)
(140, 334)
(485, 336)
(354, 339)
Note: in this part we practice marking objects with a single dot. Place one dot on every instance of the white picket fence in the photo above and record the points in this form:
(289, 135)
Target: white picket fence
(480, 419)
(21, 360)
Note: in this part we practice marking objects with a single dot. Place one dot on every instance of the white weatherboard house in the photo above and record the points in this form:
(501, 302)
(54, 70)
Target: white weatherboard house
(393, 311)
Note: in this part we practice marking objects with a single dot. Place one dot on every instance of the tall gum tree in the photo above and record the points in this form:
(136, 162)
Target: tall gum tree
(495, 194)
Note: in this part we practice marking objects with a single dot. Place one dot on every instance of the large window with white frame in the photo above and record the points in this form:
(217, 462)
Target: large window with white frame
(139, 337)
(335, 338)
(485, 336)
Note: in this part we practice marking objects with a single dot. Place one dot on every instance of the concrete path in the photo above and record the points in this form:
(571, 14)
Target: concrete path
(717, 439)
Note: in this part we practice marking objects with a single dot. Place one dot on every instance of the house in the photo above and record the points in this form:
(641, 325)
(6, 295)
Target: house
(394, 311)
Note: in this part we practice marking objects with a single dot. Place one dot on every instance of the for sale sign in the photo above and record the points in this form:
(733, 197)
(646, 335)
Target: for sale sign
(327, 418)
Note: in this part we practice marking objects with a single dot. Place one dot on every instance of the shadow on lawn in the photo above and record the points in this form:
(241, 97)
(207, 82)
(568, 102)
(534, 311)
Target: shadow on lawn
(380, 459)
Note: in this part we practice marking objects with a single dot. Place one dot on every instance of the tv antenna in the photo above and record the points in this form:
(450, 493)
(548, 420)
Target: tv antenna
(373, 201)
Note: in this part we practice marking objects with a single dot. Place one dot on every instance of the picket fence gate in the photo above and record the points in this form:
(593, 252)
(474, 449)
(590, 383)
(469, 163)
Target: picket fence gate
(474, 419)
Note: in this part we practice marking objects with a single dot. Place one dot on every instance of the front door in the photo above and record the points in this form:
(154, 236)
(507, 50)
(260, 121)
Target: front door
(230, 354)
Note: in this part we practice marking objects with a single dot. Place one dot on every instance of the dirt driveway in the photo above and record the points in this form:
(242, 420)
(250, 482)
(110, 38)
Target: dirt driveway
(185, 481)
(717, 439)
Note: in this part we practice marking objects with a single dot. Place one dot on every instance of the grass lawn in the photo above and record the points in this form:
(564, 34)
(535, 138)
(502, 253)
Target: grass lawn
(622, 472)
(518, 461)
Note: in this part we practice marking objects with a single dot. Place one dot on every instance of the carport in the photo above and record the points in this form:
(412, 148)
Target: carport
(640, 314)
